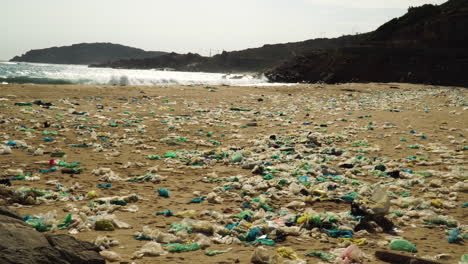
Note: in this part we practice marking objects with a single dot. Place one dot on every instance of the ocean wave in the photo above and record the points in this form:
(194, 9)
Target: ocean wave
(7, 63)
(125, 80)
(33, 80)
(78, 74)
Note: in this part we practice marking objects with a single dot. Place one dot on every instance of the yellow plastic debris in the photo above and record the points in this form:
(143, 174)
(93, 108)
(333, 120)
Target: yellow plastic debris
(304, 218)
(287, 252)
(437, 203)
(319, 192)
(357, 242)
(91, 195)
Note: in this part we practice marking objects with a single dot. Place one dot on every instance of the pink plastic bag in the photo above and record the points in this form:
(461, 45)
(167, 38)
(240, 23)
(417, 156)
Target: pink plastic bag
(351, 254)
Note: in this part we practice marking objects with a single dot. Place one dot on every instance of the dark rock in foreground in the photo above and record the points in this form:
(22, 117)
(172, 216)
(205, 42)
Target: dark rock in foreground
(21, 244)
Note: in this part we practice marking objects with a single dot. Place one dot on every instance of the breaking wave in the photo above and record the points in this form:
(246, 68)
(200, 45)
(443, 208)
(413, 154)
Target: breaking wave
(36, 73)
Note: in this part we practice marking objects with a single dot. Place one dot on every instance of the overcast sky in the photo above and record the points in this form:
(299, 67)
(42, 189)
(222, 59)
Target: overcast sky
(187, 25)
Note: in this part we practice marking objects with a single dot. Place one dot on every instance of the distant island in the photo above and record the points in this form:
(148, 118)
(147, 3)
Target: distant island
(85, 53)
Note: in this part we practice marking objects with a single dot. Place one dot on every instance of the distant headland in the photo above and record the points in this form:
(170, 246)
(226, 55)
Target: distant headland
(85, 53)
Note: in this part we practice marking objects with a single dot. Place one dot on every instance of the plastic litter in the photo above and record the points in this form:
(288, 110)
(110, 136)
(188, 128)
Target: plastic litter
(216, 252)
(261, 255)
(165, 213)
(253, 234)
(402, 245)
(321, 255)
(66, 222)
(110, 255)
(260, 189)
(176, 247)
(454, 236)
(351, 254)
(287, 252)
(163, 193)
(150, 249)
(198, 200)
(105, 242)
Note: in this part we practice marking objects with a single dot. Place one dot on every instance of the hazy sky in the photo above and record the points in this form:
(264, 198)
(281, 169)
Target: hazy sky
(187, 25)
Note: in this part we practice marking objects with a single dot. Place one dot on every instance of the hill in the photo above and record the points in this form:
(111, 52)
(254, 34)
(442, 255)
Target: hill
(85, 53)
(429, 44)
(249, 60)
(181, 62)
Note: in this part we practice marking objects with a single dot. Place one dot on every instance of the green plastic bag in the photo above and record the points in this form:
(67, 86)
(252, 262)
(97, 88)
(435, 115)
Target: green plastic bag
(236, 158)
(68, 165)
(170, 155)
(66, 222)
(403, 245)
(176, 247)
(38, 224)
(177, 227)
(216, 252)
(321, 255)
(153, 157)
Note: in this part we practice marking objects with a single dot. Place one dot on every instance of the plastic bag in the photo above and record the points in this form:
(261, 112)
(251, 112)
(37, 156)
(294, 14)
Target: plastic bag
(176, 247)
(286, 252)
(380, 201)
(351, 254)
(163, 193)
(321, 255)
(216, 252)
(214, 198)
(5, 150)
(203, 241)
(105, 242)
(66, 222)
(261, 255)
(228, 240)
(110, 255)
(403, 245)
(150, 249)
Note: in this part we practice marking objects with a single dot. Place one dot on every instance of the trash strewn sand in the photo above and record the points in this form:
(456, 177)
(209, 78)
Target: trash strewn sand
(240, 165)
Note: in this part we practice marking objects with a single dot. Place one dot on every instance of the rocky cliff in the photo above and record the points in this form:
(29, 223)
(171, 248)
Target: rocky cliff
(428, 45)
(85, 53)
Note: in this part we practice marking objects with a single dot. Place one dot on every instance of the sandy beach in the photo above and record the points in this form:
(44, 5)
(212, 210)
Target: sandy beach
(241, 149)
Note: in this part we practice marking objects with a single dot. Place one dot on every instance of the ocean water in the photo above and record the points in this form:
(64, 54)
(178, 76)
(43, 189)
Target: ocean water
(38, 73)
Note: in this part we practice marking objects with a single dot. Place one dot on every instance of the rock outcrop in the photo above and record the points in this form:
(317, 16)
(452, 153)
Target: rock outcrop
(21, 244)
(427, 45)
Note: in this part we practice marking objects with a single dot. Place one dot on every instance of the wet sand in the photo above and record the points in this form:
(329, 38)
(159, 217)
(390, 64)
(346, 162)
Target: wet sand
(348, 115)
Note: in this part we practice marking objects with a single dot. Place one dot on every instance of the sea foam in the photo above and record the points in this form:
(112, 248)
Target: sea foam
(40, 73)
